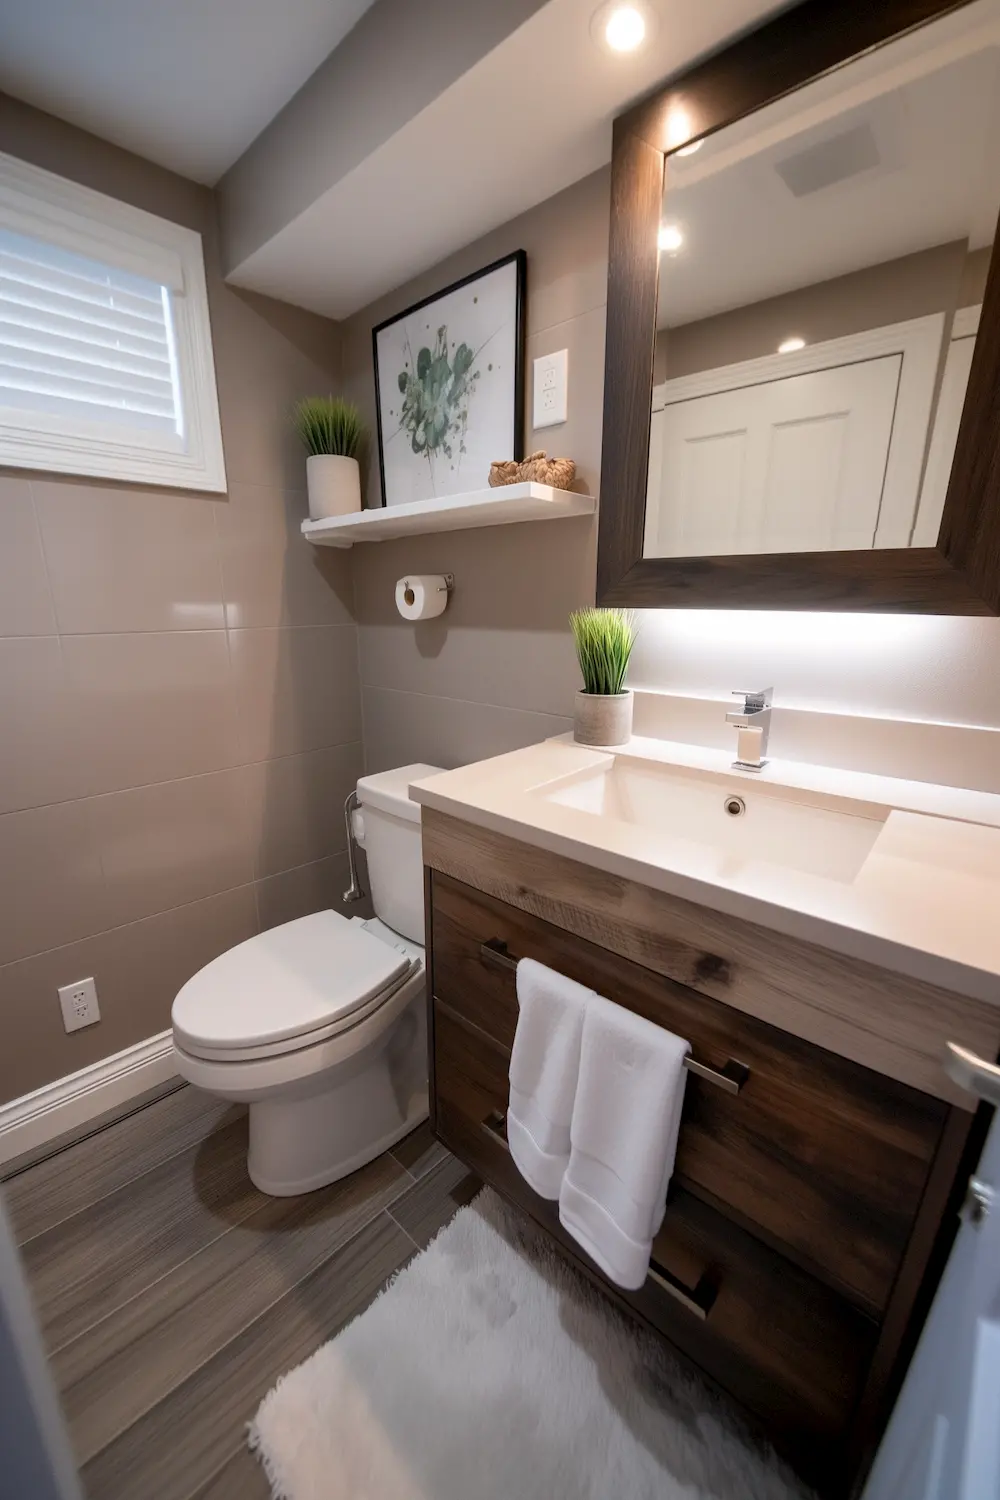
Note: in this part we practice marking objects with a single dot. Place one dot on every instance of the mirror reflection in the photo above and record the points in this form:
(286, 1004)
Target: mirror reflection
(822, 266)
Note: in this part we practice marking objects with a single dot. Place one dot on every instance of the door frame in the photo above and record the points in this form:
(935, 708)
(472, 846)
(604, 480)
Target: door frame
(934, 486)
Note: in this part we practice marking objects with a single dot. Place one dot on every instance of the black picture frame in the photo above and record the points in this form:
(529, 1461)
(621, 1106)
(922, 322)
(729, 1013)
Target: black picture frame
(520, 260)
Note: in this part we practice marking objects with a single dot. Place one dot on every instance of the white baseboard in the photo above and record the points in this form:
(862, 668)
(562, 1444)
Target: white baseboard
(54, 1109)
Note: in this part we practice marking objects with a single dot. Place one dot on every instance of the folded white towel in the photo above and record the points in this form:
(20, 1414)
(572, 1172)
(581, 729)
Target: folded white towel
(544, 1066)
(626, 1118)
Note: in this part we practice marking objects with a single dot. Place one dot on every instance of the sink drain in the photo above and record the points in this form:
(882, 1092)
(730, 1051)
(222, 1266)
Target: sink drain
(735, 806)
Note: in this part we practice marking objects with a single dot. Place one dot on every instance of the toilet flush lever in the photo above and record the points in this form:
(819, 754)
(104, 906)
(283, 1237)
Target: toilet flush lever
(355, 892)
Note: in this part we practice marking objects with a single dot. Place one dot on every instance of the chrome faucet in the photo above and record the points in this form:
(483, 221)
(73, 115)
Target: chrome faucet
(752, 728)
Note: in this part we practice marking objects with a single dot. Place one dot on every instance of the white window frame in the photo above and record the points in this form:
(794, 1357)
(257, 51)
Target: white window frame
(51, 208)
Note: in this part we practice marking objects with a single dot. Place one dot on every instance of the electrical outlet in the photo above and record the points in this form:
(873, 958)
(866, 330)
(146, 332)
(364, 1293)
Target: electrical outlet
(79, 1004)
(551, 389)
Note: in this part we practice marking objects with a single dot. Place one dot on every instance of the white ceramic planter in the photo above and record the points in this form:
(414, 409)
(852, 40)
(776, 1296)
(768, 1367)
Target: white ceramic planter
(603, 718)
(334, 485)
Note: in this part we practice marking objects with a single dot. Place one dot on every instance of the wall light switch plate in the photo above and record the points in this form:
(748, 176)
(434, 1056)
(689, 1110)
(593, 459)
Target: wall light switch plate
(79, 1004)
(551, 403)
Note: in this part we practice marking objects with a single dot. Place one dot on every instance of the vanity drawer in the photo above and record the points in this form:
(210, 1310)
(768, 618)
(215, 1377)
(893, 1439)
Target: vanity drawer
(826, 1159)
(783, 1343)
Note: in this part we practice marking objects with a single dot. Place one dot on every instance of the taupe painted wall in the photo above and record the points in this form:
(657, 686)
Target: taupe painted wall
(930, 281)
(395, 62)
(181, 716)
(497, 670)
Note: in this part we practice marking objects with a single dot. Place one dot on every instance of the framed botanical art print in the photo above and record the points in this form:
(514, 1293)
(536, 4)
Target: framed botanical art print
(449, 385)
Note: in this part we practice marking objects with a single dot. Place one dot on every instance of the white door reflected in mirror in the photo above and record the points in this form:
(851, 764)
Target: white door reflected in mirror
(822, 266)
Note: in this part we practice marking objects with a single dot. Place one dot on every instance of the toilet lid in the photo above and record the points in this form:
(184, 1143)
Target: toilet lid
(288, 982)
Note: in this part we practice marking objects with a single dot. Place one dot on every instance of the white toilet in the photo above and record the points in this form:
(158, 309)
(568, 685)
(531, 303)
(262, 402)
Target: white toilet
(320, 1024)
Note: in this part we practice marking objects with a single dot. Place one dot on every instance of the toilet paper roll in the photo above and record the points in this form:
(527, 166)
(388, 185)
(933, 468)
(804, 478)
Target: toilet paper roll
(422, 596)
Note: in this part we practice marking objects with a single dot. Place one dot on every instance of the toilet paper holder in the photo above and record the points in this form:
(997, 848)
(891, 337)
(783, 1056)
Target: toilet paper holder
(449, 584)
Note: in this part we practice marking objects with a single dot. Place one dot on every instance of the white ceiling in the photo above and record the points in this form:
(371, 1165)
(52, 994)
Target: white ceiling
(186, 83)
(531, 117)
(931, 103)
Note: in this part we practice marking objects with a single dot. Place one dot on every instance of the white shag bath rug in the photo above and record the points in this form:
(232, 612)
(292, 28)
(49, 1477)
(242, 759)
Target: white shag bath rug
(489, 1370)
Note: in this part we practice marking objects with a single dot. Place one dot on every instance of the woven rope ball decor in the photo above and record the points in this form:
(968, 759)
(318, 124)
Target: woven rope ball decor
(558, 472)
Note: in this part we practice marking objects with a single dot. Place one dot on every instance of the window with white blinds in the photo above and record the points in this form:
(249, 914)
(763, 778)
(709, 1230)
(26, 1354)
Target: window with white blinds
(81, 339)
(105, 346)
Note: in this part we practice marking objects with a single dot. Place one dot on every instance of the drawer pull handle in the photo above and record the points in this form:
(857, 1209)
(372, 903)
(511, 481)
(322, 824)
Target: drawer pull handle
(697, 1300)
(496, 1124)
(493, 953)
(731, 1078)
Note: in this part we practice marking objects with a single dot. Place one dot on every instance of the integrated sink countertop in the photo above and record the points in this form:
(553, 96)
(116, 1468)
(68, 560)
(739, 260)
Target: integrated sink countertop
(899, 873)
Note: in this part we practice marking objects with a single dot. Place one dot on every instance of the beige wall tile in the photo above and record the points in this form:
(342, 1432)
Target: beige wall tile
(297, 806)
(40, 1050)
(138, 970)
(297, 689)
(271, 574)
(477, 663)
(268, 356)
(140, 692)
(504, 637)
(25, 601)
(54, 888)
(122, 559)
(525, 577)
(150, 707)
(188, 938)
(405, 727)
(35, 726)
(313, 887)
(178, 841)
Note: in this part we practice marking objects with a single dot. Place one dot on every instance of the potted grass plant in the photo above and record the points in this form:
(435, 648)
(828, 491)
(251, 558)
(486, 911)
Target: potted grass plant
(604, 639)
(332, 432)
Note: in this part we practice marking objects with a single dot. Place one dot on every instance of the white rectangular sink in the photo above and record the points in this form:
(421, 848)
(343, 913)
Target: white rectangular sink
(739, 821)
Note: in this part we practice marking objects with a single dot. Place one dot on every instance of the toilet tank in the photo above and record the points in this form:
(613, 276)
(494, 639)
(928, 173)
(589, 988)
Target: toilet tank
(388, 829)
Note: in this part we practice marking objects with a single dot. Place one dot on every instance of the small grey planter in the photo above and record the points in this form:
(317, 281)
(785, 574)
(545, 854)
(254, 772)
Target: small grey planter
(603, 718)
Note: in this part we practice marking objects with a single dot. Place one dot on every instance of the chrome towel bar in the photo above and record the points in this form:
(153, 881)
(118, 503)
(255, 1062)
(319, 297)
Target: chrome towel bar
(698, 1299)
(494, 954)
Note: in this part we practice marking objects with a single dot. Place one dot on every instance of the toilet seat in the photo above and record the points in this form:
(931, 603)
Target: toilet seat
(249, 1078)
(288, 989)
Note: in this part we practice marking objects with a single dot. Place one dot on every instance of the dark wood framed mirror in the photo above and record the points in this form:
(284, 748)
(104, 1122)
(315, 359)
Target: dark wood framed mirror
(802, 380)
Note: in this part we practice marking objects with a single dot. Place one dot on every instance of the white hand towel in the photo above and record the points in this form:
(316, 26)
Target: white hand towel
(544, 1065)
(626, 1118)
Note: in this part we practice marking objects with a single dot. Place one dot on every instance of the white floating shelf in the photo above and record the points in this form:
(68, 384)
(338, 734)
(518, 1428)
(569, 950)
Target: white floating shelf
(500, 507)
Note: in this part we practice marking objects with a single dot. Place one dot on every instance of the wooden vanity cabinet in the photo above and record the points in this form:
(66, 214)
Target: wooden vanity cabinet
(810, 1207)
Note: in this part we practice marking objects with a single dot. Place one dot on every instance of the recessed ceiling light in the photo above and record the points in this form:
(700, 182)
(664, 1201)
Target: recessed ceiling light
(625, 28)
(690, 150)
(792, 345)
(620, 27)
(670, 238)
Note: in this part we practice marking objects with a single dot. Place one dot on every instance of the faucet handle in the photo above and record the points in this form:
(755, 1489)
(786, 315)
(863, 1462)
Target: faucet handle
(754, 702)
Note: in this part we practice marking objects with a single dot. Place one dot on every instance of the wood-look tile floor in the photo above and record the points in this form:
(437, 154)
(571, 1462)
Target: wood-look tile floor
(172, 1294)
